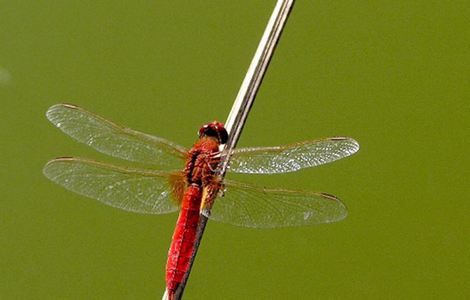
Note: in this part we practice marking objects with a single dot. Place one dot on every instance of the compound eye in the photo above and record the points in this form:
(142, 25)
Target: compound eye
(202, 130)
(223, 136)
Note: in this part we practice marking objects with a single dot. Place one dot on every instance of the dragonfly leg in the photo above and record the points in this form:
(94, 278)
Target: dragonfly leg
(210, 192)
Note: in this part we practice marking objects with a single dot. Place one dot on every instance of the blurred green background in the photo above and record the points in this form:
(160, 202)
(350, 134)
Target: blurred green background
(392, 74)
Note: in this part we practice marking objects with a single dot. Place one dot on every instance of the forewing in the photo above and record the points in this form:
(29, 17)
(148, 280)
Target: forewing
(114, 140)
(250, 206)
(290, 158)
(136, 190)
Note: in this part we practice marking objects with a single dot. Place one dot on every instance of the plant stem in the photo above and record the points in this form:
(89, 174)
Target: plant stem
(243, 103)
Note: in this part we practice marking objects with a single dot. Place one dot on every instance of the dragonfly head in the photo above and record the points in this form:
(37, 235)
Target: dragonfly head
(216, 130)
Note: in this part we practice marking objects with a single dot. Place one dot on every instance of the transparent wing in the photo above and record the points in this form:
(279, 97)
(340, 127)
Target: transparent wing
(141, 191)
(290, 158)
(250, 206)
(114, 140)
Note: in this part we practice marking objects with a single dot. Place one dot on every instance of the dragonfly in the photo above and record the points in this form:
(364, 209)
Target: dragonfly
(159, 185)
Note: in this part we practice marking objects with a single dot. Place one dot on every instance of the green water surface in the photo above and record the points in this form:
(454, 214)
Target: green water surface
(392, 74)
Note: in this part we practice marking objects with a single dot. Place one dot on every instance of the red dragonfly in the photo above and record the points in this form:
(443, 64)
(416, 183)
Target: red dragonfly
(160, 188)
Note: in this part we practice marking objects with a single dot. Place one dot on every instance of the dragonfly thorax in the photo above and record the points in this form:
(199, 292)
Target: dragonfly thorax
(202, 161)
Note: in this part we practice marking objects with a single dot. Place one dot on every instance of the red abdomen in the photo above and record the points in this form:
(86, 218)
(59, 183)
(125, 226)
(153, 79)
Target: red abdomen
(182, 244)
